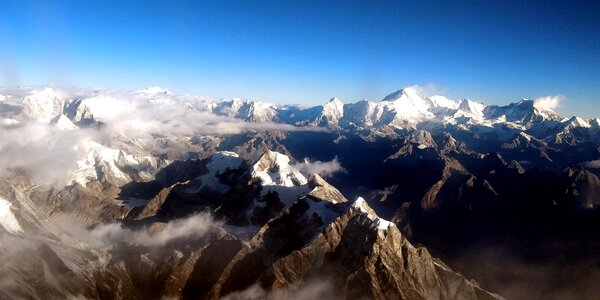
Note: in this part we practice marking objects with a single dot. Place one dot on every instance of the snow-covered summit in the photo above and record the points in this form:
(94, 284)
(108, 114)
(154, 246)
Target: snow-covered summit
(361, 205)
(273, 168)
(577, 122)
(409, 104)
(42, 105)
(332, 112)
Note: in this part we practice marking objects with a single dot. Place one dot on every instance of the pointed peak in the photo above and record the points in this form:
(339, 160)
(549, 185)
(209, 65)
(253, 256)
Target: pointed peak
(408, 92)
(525, 136)
(273, 168)
(324, 191)
(273, 156)
(361, 205)
(335, 101)
(576, 121)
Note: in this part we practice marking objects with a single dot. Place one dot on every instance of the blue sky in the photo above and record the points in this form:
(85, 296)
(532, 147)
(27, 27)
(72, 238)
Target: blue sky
(309, 51)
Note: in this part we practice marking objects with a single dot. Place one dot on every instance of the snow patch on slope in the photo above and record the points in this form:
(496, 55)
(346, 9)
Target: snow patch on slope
(7, 218)
(219, 163)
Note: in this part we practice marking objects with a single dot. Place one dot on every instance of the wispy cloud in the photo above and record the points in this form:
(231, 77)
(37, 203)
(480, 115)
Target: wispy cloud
(107, 234)
(312, 289)
(42, 151)
(324, 169)
(428, 89)
(592, 164)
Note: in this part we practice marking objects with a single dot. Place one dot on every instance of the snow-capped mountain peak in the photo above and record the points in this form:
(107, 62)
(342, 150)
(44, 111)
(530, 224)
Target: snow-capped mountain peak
(361, 205)
(577, 122)
(42, 105)
(409, 95)
(472, 107)
(273, 168)
(334, 107)
(408, 105)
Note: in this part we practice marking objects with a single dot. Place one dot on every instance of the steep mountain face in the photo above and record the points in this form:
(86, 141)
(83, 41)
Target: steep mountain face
(314, 235)
(186, 196)
(358, 253)
(39, 260)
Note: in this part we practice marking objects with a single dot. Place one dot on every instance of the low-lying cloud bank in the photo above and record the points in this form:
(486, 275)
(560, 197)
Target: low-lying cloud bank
(141, 115)
(47, 152)
(106, 235)
(42, 151)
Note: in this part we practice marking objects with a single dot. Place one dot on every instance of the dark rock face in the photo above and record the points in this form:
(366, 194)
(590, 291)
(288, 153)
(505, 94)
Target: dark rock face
(519, 199)
(320, 238)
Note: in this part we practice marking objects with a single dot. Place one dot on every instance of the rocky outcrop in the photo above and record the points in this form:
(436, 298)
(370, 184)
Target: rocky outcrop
(321, 190)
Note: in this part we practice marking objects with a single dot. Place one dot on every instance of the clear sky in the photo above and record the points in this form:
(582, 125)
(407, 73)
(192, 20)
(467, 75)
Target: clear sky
(309, 51)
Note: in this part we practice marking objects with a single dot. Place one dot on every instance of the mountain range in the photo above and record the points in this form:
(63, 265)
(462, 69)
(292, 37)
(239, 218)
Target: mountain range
(153, 194)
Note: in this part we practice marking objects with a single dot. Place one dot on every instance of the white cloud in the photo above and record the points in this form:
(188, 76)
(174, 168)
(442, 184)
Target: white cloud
(593, 164)
(549, 102)
(42, 151)
(324, 169)
(108, 234)
(428, 89)
(145, 114)
(313, 289)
